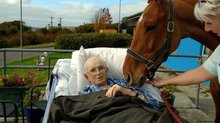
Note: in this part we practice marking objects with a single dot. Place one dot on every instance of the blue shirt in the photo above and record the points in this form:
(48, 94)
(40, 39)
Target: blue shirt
(150, 100)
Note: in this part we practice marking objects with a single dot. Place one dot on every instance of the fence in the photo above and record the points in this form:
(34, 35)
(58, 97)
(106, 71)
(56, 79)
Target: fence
(6, 50)
(5, 66)
(181, 71)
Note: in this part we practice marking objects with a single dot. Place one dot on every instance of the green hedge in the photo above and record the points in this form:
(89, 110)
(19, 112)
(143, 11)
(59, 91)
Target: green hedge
(89, 40)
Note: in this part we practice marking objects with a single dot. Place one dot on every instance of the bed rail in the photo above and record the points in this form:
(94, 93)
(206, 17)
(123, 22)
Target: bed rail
(53, 82)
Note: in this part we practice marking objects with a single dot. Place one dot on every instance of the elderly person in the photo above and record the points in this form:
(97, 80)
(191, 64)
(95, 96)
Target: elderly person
(96, 73)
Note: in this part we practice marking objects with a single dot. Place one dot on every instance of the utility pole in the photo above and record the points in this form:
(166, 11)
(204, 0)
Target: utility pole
(60, 22)
(21, 26)
(119, 18)
(51, 21)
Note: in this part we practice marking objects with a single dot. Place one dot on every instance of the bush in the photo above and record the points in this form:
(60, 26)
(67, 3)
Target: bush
(3, 42)
(30, 38)
(13, 40)
(89, 40)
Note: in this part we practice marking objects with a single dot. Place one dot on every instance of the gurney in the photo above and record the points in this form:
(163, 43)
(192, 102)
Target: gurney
(65, 105)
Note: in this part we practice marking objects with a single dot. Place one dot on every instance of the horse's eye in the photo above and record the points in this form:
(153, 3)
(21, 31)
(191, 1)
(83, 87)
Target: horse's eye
(151, 28)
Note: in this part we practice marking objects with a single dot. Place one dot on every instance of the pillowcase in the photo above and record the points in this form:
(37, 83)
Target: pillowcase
(63, 71)
(72, 86)
(81, 80)
(114, 58)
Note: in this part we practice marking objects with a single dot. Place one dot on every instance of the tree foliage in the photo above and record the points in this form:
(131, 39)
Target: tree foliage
(86, 28)
(10, 34)
(8, 28)
(102, 19)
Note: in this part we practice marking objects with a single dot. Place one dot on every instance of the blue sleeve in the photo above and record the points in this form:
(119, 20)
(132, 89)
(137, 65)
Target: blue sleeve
(90, 88)
(150, 100)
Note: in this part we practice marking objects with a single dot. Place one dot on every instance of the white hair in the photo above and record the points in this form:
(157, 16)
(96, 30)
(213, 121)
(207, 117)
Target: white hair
(93, 58)
(203, 8)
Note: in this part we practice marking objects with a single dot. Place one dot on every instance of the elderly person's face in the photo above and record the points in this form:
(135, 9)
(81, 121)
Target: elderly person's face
(213, 26)
(96, 71)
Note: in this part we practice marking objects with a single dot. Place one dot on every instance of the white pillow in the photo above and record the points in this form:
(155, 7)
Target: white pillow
(81, 80)
(114, 58)
(74, 60)
(72, 86)
(63, 71)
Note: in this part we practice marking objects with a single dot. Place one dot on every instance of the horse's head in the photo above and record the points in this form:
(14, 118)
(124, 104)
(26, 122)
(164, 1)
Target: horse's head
(151, 42)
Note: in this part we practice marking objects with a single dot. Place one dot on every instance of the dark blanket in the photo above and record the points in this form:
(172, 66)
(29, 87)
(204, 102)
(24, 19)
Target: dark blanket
(96, 108)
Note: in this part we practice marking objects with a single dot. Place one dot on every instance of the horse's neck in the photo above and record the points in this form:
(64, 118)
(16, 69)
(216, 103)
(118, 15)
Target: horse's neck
(190, 27)
(208, 39)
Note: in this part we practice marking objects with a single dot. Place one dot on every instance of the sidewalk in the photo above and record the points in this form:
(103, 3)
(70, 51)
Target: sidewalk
(205, 113)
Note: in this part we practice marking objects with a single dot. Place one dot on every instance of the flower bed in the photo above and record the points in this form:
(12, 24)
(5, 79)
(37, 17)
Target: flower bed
(16, 79)
(14, 83)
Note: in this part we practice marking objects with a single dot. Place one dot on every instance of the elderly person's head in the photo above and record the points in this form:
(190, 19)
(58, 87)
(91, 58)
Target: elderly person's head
(208, 11)
(96, 71)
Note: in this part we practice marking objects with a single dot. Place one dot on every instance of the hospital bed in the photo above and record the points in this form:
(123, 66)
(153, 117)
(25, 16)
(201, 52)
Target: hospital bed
(68, 79)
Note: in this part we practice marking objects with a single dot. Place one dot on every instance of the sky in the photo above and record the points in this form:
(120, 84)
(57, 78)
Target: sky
(38, 13)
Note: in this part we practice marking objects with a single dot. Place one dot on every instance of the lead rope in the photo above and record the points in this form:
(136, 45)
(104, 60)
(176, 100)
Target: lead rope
(178, 120)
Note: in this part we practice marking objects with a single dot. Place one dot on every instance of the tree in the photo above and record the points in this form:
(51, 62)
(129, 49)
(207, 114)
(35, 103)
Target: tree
(102, 19)
(13, 27)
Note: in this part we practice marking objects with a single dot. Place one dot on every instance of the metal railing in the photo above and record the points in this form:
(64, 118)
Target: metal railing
(182, 71)
(4, 59)
(5, 66)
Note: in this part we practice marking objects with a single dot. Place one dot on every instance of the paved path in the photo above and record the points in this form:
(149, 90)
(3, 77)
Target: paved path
(184, 104)
(16, 56)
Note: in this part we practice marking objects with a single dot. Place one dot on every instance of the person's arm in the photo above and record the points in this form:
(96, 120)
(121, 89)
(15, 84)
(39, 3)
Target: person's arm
(194, 76)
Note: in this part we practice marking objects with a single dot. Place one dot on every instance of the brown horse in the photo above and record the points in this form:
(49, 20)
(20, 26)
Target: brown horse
(157, 34)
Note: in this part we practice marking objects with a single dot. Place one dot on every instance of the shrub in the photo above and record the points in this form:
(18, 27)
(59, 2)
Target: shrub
(30, 38)
(13, 40)
(88, 40)
(3, 42)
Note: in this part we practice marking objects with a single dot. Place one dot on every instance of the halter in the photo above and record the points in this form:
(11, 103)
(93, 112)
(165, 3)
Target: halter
(151, 64)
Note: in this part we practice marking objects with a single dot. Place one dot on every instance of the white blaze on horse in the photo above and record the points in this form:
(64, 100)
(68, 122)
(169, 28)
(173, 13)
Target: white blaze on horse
(157, 34)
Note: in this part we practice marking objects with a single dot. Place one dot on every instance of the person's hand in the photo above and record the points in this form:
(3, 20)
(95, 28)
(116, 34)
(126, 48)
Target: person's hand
(155, 82)
(115, 89)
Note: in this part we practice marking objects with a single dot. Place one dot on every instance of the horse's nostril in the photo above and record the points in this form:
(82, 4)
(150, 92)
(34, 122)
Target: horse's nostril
(129, 79)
